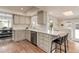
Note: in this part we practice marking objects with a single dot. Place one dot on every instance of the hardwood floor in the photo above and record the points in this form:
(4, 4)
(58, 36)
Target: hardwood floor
(26, 47)
(73, 47)
(19, 47)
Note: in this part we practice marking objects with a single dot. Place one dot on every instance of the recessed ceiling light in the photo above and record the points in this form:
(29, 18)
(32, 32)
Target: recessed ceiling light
(68, 13)
(22, 8)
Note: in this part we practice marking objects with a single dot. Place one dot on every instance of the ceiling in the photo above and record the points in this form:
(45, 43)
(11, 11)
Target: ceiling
(22, 10)
(56, 11)
(16, 8)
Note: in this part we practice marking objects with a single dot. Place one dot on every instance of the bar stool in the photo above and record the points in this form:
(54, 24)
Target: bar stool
(60, 41)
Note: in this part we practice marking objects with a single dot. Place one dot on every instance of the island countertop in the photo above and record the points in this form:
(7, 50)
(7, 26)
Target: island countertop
(44, 38)
(54, 32)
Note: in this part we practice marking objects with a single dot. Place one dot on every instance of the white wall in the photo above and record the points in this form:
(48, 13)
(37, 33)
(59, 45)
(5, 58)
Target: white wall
(70, 25)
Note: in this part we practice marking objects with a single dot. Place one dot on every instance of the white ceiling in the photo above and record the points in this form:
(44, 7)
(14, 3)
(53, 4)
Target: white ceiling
(27, 10)
(56, 11)
(16, 8)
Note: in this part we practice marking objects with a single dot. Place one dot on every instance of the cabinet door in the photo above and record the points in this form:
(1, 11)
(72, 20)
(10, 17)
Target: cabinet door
(40, 41)
(22, 20)
(27, 35)
(16, 35)
(22, 34)
(28, 20)
(19, 35)
(25, 20)
(43, 41)
(16, 19)
(47, 45)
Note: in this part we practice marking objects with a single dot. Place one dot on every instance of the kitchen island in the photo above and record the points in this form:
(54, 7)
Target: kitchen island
(44, 38)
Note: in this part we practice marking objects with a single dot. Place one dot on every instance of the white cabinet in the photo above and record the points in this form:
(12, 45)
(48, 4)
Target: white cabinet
(43, 41)
(28, 20)
(28, 35)
(16, 19)
(22, 20)
(18, 35)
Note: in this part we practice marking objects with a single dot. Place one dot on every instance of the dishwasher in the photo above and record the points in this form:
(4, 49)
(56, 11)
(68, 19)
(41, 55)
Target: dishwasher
(34, 37)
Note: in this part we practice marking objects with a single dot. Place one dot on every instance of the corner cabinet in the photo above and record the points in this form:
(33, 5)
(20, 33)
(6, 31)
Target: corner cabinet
(18, 35)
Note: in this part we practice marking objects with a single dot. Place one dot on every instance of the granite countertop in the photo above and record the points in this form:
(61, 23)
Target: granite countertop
(55, 33)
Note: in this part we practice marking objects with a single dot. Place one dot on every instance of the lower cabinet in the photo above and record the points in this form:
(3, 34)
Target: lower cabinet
(21, 35)
(18, 35)
(28, 35)
(44, 42)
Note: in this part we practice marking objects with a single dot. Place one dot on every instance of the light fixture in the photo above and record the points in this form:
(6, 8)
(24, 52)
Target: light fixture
(22, 8)
(50, 21)
(68, 13)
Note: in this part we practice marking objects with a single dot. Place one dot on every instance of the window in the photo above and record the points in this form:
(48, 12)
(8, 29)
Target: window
(5, 20)
(34, 20)
(77, 31)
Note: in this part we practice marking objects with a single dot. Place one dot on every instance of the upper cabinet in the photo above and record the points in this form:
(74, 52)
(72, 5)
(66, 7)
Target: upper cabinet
(28, 20)
(22, 20)
(42, 17)
(16, 19)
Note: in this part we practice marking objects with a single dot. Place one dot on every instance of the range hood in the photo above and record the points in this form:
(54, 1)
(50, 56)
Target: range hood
(42, 17)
